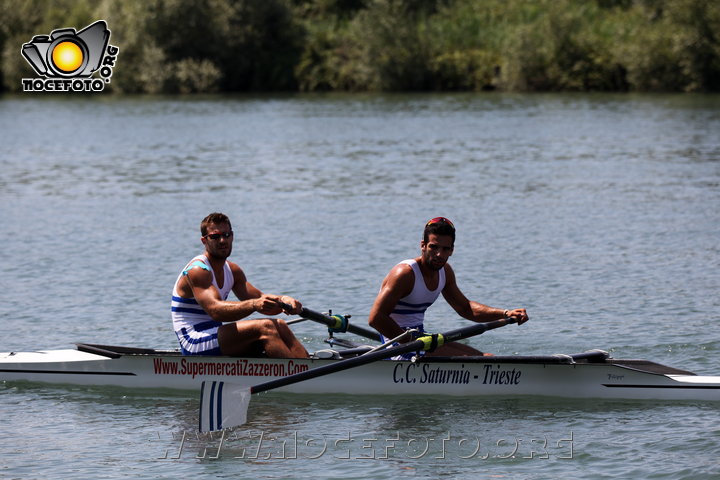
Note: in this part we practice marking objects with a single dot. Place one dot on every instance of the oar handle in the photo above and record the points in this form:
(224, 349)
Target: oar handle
(413, 346)
(332, 323)
(461, 333)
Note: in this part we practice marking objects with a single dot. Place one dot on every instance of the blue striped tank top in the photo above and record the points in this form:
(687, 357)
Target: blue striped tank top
(410, 310)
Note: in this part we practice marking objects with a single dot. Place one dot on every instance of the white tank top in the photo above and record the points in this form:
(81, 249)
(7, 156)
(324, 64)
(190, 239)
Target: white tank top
(186, 312)
(410, 310)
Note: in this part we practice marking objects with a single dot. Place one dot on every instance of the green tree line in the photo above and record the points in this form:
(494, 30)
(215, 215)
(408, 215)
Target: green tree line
(185, 46)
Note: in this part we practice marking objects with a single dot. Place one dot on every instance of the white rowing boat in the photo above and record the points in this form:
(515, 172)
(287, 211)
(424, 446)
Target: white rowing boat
(592, 374)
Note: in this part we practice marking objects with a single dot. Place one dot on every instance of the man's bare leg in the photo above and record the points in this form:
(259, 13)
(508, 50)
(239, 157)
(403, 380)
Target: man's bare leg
(297, 349)
(252, 337)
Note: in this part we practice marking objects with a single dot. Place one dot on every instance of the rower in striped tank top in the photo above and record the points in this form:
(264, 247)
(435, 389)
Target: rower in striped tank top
(414, 285)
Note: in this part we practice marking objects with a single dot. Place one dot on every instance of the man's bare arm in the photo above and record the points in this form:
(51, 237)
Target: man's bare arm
(475, 311)
(198, 283)
(396, 285)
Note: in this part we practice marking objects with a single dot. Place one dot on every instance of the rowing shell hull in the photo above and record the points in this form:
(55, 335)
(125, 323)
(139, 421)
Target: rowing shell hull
(478, 376)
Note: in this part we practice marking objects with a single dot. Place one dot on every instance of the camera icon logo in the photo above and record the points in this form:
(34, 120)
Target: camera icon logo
(68, 59)
(67, 53)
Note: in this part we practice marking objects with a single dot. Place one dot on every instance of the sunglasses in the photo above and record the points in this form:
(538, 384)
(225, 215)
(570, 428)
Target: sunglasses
(216, 236)
(440, 220)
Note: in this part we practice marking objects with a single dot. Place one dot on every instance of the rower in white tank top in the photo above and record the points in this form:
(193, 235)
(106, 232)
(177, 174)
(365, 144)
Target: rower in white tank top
(410, 310)
(195, 329)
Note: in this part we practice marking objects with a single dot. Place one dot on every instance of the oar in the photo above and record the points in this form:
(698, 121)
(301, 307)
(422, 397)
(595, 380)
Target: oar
(337, 323)
(235, 399)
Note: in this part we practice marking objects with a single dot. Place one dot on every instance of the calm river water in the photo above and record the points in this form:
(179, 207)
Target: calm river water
(598, 213)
